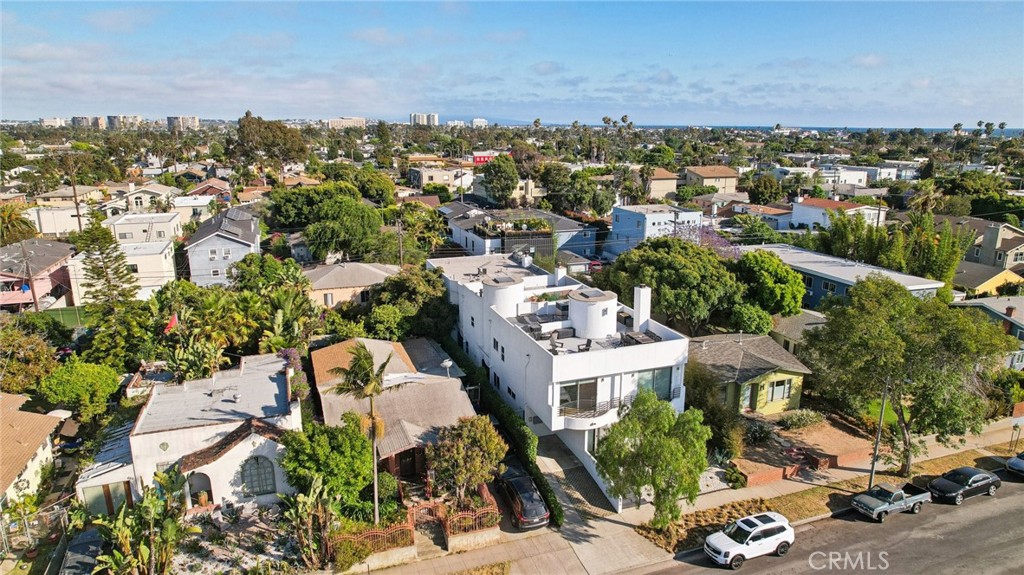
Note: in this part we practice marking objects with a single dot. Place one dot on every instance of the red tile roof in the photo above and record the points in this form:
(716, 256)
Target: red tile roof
(208, 455)
(713, 171)
(829, 204)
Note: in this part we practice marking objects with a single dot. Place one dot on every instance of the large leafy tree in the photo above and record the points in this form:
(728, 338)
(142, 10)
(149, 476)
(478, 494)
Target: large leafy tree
(501, 178)
(259, 141)
(375, 185)
(771, 284)
(690, 283)
(341, 455)
(81, 387)
(931, 358)
(344, 225)
(766, 189)
(654, 448)
(421, 298)
(466, 454)
(26, 358)
(262, 273)
(14, 226)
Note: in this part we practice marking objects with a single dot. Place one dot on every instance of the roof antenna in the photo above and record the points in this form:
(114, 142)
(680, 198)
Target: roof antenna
(739, 339)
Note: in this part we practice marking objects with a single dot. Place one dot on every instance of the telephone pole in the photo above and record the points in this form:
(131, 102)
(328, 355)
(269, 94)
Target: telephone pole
(28, 272)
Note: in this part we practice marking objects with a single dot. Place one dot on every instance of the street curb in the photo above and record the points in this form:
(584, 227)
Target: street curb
(835, 513)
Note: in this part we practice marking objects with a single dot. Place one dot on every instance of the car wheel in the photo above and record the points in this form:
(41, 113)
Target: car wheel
(782, 549)
(959, 499)
(916, 508)
(882, 516)
(991, 490)
(737, 562)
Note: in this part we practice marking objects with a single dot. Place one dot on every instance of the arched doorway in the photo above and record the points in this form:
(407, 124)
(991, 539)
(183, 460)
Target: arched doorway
(200, 489)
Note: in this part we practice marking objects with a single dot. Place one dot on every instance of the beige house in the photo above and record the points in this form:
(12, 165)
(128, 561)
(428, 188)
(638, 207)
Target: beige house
(27, 448)
(663, 183)
(722, 177)
(755, 373)
(152, 264)
(529, 191)
(144, 198)
(343, 282)
(65, 196)
(135, 227)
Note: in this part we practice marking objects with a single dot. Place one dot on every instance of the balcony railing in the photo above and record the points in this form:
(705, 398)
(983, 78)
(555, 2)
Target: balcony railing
(590, 408)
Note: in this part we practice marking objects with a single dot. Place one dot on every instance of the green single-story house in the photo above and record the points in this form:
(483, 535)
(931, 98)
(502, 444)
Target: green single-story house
(755, 372)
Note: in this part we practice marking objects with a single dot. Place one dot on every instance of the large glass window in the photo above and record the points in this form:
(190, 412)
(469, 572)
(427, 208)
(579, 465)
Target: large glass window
(579, 395)
(258, 476)
(780, 390)
(657, 380)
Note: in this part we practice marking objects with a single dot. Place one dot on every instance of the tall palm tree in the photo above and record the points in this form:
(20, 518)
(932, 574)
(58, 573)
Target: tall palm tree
(926, 197)
(14, 226)
(362, 381)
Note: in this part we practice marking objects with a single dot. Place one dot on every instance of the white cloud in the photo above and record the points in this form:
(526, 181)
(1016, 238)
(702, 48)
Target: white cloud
(663, 77)
(378, 36)
(121, 20)
(921, 83)
(547, 68)
(869, 61)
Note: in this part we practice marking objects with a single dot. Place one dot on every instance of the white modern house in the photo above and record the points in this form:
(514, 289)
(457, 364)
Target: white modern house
(813, 212)
(152, 264)
(566, 355)
(223, 432)
(136, 227)
(634, 224)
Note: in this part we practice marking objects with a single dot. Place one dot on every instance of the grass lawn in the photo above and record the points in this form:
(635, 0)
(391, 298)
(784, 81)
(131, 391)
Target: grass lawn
(692, 528)
(870, 412)
(502, 568)
(38, 565)
(1003, 449)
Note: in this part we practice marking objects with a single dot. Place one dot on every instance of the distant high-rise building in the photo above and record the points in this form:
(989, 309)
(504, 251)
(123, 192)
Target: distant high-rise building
(181, 123)
(418, 119)
(479, 123)
(455, 124)
(81, 121)
(346, 122)
(51, 122)
(123, 122)
(99, 122)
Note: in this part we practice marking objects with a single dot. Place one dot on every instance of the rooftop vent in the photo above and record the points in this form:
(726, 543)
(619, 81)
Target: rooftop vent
(503, 280)
(591, 294)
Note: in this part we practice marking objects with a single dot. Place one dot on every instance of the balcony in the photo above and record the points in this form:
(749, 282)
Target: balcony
(582, 414)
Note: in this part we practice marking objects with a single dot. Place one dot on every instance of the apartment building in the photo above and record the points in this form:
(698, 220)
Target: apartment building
(134, 227)
(181, 123)
(564, 354)
(152, 264)
(634, 224)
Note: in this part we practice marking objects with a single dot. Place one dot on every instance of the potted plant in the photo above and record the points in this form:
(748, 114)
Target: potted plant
(32, 552)
(204, 498)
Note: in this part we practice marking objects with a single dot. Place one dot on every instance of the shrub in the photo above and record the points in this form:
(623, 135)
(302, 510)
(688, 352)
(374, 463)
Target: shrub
(735, 478)
(800, 418)
(387, 486)
(348, 553)
(758, 432)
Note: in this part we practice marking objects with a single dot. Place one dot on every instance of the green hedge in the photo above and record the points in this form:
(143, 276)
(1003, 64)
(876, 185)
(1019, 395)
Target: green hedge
(524, 440)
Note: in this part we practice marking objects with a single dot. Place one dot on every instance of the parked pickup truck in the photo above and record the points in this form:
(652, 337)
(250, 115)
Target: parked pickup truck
(883, 499)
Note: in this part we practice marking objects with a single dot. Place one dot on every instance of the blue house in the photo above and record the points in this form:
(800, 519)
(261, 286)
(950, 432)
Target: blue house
(826, 276)
(634, 224)
(220, 242)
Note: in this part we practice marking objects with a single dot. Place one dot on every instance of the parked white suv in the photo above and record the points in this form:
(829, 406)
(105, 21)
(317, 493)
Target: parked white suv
(750, 537)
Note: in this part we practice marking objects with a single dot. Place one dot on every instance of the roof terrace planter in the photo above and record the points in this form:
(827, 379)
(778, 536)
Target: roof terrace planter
(513, 228)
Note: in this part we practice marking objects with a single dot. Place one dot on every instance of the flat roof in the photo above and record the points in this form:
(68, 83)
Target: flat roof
(145, 218)
(256, 388)
(654, 209)
(839, 269)
(475, 268)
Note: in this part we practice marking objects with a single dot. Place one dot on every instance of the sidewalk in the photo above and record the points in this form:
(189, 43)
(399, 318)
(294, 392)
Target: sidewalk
(598, 545)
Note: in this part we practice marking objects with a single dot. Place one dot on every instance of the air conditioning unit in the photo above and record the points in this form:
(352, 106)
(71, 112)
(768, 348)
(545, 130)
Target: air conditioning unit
(226, 256)
(213, 258)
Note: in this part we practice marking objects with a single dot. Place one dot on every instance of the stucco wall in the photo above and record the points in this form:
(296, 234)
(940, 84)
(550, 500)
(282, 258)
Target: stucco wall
(32, 473)
(201, 266)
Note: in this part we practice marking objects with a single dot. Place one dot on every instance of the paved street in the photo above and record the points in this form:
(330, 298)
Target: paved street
(984, 536)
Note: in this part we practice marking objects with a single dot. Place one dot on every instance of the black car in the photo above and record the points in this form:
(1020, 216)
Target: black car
(528, 508)
(82, 552)
(963, 482)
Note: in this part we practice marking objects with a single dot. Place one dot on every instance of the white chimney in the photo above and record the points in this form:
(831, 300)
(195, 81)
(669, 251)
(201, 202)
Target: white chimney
(641, 307)
(131, 187)
(560, 273)
(527, 261)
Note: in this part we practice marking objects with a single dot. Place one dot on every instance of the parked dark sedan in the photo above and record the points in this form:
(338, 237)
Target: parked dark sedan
(82, 552)
(963, 482)
(528, 508)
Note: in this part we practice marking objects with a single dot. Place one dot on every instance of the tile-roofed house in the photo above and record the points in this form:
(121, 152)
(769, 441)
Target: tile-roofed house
(431, 201)
(65, 195)
(223, 430)
(299, 182)
(334, 284)
(220, 242)
(757, 374)
(826, 276)
(789, 331)
(26, 447)
(414, 406)
(47, 260)
(980, 280)
(663, 183)
(813, 212)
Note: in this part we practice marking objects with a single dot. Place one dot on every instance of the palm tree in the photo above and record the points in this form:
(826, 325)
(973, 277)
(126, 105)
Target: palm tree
(926, 198)
(362, 381)
(14, 226)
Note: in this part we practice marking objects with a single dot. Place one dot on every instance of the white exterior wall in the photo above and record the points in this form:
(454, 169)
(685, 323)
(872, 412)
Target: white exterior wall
(475, 244)
(225, 472)
(154, 271)
(54, 221)
(809, 216)
(32, 473)
(145, 231)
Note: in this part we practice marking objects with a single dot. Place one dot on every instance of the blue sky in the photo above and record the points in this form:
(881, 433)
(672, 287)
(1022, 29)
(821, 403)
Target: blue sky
(866, 64)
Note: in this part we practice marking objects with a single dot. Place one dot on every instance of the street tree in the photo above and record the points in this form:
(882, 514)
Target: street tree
(765, 190)
(654, 448)
(928, 358)
(466, 454)
(501, 179)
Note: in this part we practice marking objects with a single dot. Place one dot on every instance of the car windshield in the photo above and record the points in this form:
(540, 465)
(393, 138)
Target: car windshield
(880, 493)
(533, 504)
(957, 477)
(736, 532)
(1020, 455)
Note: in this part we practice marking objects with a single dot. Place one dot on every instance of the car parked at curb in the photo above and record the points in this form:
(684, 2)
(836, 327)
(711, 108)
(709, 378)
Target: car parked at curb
(1015, 465)
(528, 508)
(884, 499)
(749, 537)
(963, 482)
